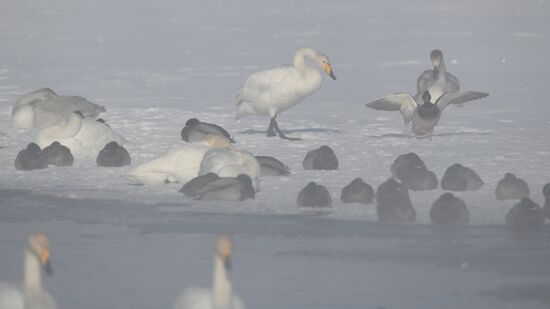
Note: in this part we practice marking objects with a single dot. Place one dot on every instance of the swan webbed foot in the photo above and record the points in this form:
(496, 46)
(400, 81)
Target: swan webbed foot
(273, 125)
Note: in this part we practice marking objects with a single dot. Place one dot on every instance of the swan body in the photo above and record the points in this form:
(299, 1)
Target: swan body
(83, 136)
(273, 91)
(31, 295)
(221, 295)
(424, 117)
(436, 81)
(43, 108)
(230, 162)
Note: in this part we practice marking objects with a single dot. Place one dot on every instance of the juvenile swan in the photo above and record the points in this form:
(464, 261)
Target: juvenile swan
(221, 295)
(43, 108)
(273, 91)
(31, 295)
(437, 81)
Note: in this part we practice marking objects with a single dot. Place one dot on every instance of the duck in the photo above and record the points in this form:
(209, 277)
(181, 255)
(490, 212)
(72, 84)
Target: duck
(273, 91)
(229, 161)
(30, 158)
(314, 195)
(511, 188)
(461, 178)
(413, 173)
(83, 136)
(437, 80)
(177, 165)
(221, 295)
(269, 166)
(31, 295)
(424, 117)
(393, 204)
(195, 185)
(113, 155)
(546, 194)
(195, 130)
(322, 158)
(44, 108)
(449, 209)
(58, 155)
(525, 216)
(357, 191)
(235, 189)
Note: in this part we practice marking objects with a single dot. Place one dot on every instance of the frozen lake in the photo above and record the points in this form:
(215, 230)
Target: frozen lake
(154, 64)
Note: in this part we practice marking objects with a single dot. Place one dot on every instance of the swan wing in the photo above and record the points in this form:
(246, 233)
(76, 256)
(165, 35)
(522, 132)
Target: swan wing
(69, 104)
(11, 297)
(194, 299)
(458, 98)
(402, 102)
(425, 81)
(263, 81)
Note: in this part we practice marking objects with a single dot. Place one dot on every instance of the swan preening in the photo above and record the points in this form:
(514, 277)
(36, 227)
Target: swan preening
(221, 296)
(31, 295)
(273, 91)
(43, 108)
(424, 117)
(83, 136)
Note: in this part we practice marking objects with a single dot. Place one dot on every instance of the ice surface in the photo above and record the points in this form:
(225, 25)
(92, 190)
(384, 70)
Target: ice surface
(154, 64)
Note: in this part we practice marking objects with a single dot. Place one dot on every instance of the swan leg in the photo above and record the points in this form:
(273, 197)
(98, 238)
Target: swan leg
(272, 124)
(281, 134)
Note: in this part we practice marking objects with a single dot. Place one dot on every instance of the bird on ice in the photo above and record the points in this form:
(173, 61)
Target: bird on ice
(436, 81)
(273, 91)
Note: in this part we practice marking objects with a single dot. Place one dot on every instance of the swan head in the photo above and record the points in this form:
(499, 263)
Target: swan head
(39, 246)
(216, 141)
(323, 61)
(437, 57)
(224, 249)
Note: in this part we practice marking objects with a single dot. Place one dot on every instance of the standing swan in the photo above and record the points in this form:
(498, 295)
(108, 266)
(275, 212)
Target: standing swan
(273, 91)
(221, 296)
(31, 295)
(43, 108)
(437, 81)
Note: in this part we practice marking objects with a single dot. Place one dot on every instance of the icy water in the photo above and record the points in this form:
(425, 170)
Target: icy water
(156, 64)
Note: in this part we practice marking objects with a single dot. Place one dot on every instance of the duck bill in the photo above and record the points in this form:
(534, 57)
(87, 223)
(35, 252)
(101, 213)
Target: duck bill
(328, 70)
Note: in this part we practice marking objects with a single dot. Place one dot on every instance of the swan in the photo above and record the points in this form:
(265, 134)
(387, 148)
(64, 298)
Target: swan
(177, 165)
(31, 295)
(221, 295)
(196, 130)
(43, 108)
(228, 161)
(83, 136)
(424, 117)
(273, 91)
(437, 81)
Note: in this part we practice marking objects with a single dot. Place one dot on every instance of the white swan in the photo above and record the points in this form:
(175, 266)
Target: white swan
(437, 81)
(273, 91)
(221, 295)
(43, 108)
(179, 164)
(83, 136)
(31, 295)
(230, 162)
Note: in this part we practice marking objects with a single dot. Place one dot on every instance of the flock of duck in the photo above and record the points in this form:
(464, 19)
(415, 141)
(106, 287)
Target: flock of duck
(209, 165)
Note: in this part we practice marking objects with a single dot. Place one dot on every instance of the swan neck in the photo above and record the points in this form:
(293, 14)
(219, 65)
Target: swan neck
(32, 272)
(69, 129)
(442, 70)
(299, 60)
(222, 289)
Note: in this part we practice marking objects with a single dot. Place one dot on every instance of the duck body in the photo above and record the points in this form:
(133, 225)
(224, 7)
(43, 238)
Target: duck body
(525, 216)
(58, 155)
(195, 131)
(314, 195)
(30, 158)
(511, 188)
(113, 155)
(230, 162)
(393, 203)
(272, 167)
(413, 173)
(460, 178)
(322, 158)
(357, 192)
(235, 189)
(193, 187)
(43, 108)
(449, 209)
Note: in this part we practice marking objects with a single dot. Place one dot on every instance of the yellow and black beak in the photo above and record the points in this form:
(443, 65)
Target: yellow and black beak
(44, 257)
(328, 70)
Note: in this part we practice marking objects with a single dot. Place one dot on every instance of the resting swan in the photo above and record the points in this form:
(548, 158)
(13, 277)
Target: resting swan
(180, 164)
(221, 295)
(84, 137)
(273, 91)
(43, 108)
(31, 295)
